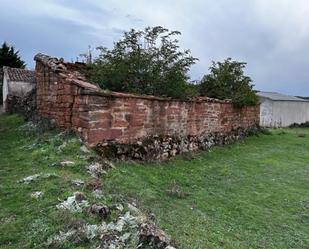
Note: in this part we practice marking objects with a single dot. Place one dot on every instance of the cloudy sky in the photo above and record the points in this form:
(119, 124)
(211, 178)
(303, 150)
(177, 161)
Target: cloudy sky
(272, 36)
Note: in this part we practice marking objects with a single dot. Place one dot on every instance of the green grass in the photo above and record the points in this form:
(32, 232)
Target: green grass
(252, 194)
(26, 222)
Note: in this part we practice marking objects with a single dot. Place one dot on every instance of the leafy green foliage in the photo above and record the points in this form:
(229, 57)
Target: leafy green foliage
(227, 81)
(9, 57)
(145, 62)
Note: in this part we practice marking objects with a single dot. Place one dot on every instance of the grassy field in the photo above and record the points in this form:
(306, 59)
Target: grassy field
(252, 194)
(27, 222)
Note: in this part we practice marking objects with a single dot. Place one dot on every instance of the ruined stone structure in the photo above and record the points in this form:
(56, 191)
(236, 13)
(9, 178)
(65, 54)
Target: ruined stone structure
(128, 125)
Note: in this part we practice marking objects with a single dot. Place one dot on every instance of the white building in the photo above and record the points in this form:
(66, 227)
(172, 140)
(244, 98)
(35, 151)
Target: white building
(279, 110)
(16, 82)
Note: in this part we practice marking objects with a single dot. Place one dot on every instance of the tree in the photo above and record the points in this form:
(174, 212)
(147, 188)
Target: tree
(144, 62)
(9, 57)
(228, 81)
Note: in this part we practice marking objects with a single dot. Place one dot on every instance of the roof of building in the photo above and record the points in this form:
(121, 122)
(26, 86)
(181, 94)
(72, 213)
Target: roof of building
(279, 96)
(306, 98)
(18, 74)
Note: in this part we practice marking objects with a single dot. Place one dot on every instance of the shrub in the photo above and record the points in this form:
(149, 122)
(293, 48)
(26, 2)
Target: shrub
(227, 81)
(145, 62)
(302, 125)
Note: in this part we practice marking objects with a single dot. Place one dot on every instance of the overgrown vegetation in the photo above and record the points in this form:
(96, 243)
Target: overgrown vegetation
(150, 62)
(302, 125)
(228, 81)
(145, 62)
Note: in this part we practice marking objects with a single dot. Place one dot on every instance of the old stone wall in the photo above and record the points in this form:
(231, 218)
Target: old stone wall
(104, 118)
(125, 118)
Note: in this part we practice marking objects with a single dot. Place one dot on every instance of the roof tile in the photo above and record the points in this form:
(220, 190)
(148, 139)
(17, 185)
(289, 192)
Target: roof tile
(18, 74)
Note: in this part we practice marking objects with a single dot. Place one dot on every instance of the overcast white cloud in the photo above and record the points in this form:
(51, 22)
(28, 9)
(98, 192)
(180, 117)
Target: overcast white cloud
(271, 36)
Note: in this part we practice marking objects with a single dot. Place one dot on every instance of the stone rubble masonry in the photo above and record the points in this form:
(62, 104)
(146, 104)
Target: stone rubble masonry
(64, 95)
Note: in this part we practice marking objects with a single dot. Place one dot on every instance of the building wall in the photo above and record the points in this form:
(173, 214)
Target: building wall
(100, 116)
(283, 113)
(286, 113)
(4, 91)
(20, 88)
(14, 88)
(266, 112)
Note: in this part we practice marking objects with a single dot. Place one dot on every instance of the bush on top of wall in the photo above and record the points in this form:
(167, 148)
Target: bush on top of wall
(228, 81)
(150, 62)
(145, 62)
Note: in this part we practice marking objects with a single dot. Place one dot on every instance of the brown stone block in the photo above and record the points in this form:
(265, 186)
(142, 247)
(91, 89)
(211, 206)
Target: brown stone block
(98, 100)
(120, 123)
(102, 124)
(100, 115)
(78, 122)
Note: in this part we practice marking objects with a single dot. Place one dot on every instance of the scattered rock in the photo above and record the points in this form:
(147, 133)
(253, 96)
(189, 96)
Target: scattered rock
(60, 238)
(67, 163)
(133, 209)
(29, 179)
(101, 211)
(96, 169)
(93, 231)
(124, 237)
(62, 164)
(49, 175)
(155, 148)
(108, 164)
(84, 149)
(151, 235)
(127, 220)
(117, 206)
(74, 203)
(98, 193)
(79, 197)
(140, 216)
(152, 217)
(36, 195)
(78, 182)
(62, 146)
(93, 184)
(35, 177)
(125, 231)
(88, 231)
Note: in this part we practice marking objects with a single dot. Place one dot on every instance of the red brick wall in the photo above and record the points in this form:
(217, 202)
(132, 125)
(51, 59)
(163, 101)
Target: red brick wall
(100, 116)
